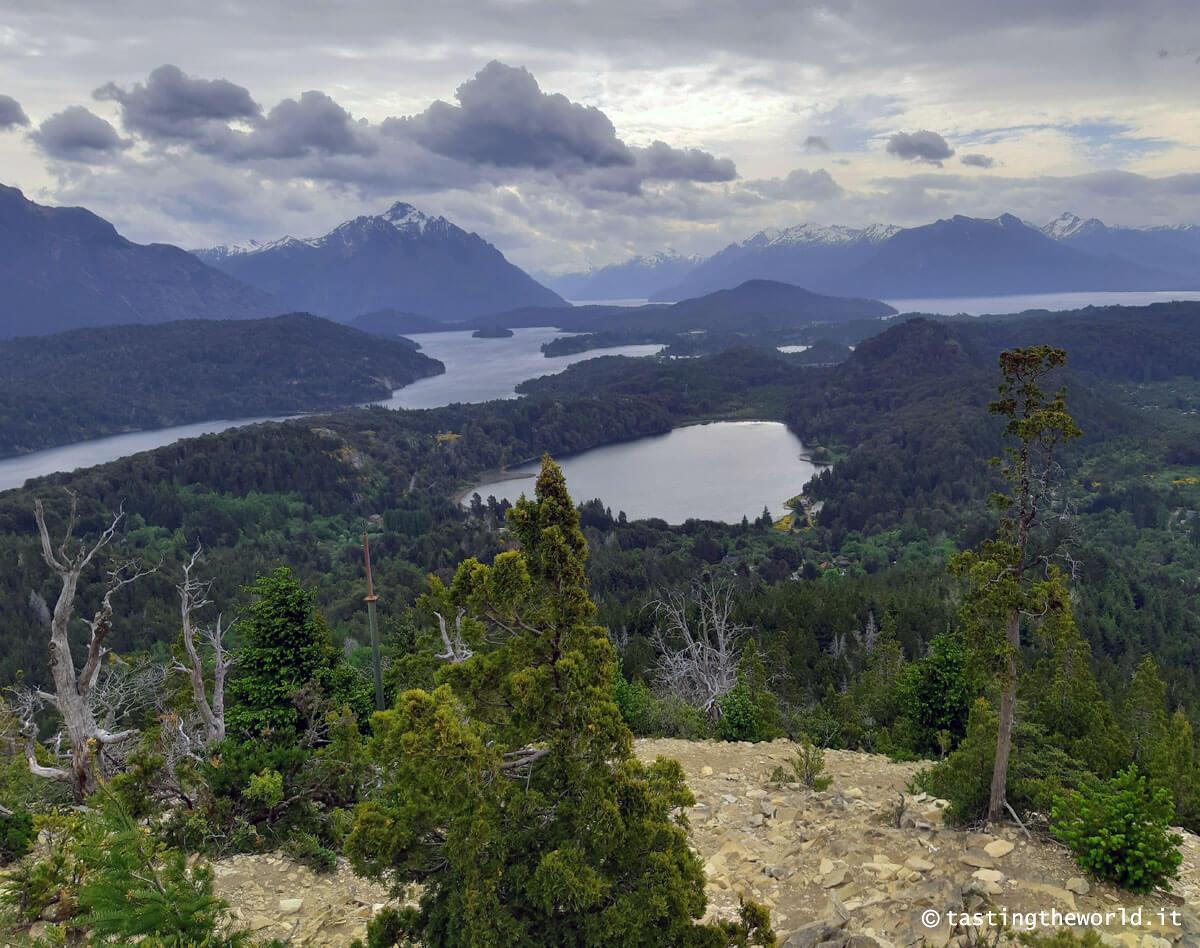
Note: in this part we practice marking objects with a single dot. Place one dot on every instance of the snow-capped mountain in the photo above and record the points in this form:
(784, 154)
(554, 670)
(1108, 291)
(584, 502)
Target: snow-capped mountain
(401, 259)
(972, 256)
(635, 278)
(1171, 248)
(1067, 225)
(958, 256)
(808, 255)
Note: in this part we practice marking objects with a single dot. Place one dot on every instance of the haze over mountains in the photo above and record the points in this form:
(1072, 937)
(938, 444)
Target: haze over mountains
(636, 278)
(958, 256)
(65, 268)
(401, 259)
(405, 271)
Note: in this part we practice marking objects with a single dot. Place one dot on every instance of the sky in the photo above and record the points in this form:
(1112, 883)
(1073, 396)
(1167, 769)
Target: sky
(575, 133)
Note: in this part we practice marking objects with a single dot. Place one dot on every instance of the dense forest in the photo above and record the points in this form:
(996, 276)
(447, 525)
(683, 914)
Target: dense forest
(93, 382)
(862, 619)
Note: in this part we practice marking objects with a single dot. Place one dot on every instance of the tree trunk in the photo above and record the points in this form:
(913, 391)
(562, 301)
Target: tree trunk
(1008, 708)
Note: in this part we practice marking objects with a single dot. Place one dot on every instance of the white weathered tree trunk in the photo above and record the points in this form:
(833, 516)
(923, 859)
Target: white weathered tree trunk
(698, 643)
(73, 690)
(193, 596)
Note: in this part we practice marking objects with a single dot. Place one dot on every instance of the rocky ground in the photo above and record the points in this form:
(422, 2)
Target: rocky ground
(843, 867)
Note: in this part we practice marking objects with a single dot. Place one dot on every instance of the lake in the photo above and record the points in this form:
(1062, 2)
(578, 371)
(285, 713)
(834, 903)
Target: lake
(477, 370)
(719, 471)
(990, 305)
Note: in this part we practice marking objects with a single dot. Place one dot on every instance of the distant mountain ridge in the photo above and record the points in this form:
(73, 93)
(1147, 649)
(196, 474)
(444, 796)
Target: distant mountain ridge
(956, 256)
(968, 256)
(400, 260)
(65, 268)
(809, 255)
(1175, 249)
(635, 278)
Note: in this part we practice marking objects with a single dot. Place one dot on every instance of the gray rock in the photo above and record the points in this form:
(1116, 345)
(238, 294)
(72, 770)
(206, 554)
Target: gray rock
(814, 933)
(978, 859)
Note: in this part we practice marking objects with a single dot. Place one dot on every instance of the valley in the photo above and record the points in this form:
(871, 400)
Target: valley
(836, 586)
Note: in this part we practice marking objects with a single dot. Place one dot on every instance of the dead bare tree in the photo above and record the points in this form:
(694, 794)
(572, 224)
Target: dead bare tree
(457, 649)
(193, 596)
(698, 643)
(74, 690)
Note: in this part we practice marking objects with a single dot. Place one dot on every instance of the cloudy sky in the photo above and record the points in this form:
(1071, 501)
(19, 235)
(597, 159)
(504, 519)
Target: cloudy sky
(575, 132)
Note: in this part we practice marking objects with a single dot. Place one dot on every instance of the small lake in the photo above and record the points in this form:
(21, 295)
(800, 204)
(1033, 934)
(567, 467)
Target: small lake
(991, 305)
(477, 370)
(720, 471)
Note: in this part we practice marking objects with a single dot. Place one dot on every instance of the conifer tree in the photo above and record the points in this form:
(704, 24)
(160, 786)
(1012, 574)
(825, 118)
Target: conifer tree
(287, 649)
(1005, 585)
(1065, 700)
(511, 792)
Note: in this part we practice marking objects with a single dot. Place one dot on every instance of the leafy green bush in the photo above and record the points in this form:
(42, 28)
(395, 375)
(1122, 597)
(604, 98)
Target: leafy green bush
(105, 876)
(1038, 770)
(742, 718)
(636, 704)
(16, 835)
(933, 695)
(1063, 938)
(33, 885)
(806, 768)
(306, 848)
(673, 717)
(1119, 831)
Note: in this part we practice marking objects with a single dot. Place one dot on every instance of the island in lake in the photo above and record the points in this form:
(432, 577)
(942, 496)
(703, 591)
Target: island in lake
(492, 332)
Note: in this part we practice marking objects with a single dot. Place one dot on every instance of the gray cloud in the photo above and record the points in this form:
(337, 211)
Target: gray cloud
(503, 118)
(174, 106)
(920, 146)
(313, 124)
(816, 143)
(977, 160)
(797, 185)
(11, 113)
(504, 129)
(77, 134)
(660, 161)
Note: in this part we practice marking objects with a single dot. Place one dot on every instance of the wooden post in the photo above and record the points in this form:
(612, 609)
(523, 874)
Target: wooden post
(371, 599)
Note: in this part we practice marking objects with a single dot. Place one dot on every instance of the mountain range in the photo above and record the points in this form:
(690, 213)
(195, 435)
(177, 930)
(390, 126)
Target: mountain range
(66, 268)
(635, 278)
(400, 260)
(957, 256)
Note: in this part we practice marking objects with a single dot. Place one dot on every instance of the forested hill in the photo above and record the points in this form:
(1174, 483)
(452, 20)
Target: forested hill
(1118, 343)
(93, 382)
(905, 418)
(756, 305)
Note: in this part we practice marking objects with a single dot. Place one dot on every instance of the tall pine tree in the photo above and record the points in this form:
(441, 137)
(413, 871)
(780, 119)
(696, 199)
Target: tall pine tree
(511, 792)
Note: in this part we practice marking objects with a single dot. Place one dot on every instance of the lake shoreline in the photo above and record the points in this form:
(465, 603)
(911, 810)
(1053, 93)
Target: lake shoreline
(722, 470)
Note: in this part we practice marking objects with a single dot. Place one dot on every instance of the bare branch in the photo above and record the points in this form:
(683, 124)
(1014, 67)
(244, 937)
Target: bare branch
(457, 649)
(698, 643)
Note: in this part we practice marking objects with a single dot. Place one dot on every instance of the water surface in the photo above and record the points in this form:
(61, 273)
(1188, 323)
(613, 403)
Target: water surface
(991, 305)
(720, 471)
(477, 370)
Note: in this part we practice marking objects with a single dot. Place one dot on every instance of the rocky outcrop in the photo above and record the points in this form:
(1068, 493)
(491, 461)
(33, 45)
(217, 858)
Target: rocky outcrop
(864, 864)
(868, 863)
